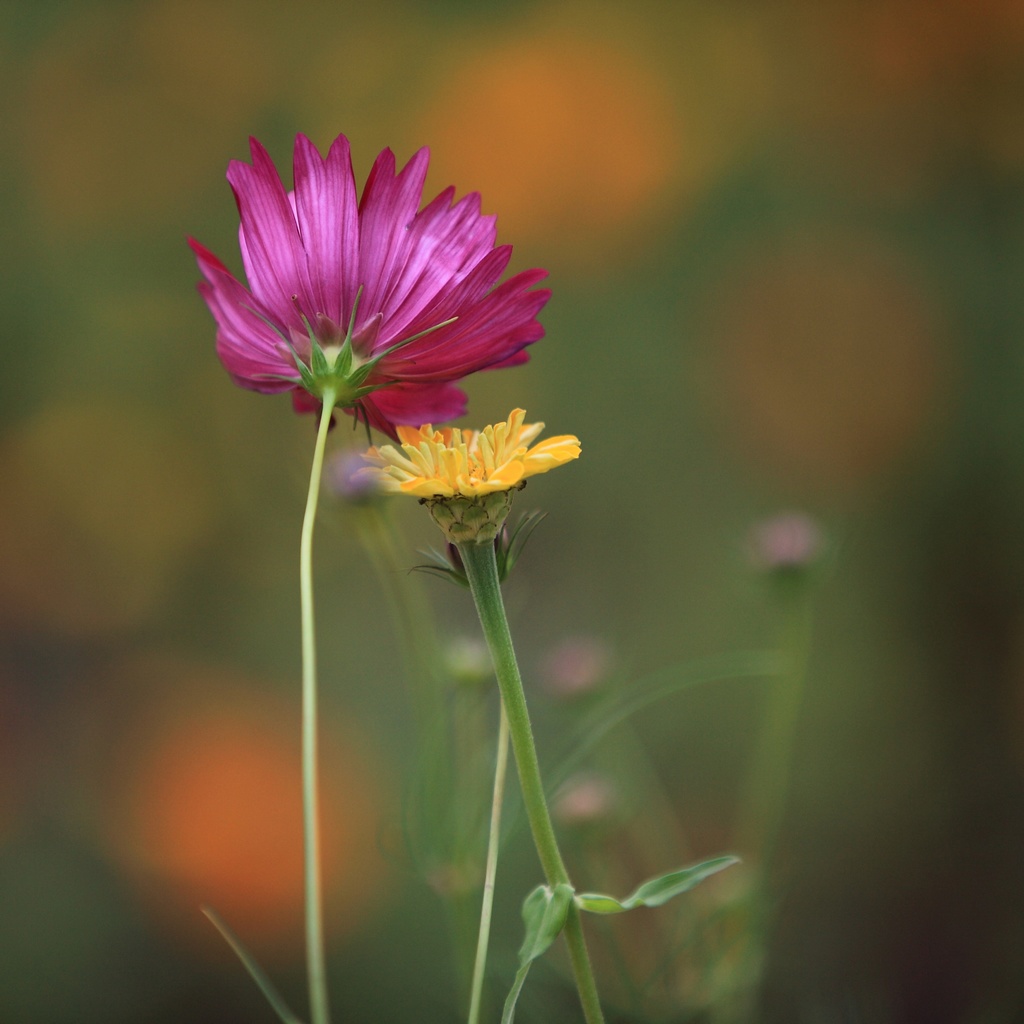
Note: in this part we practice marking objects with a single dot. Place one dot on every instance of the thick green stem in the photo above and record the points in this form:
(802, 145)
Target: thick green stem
(490, 870)
(310, 805)
(482, 572)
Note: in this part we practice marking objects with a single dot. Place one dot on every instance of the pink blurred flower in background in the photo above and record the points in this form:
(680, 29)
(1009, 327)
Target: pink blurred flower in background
(412, 292)
(792, 540)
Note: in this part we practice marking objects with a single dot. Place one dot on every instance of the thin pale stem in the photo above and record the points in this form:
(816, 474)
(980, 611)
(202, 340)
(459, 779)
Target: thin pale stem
(482, 572)
(490, 871)
(315, 965)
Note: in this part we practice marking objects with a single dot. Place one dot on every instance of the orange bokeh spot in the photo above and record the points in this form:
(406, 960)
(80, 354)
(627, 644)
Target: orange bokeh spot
(827, 359)
(569, 138)
(212, 813)
(218, 812)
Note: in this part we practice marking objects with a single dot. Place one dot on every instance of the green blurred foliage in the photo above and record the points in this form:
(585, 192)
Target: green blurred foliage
(786, 244)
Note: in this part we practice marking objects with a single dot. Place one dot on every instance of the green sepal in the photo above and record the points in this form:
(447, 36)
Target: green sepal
(655, 891)
(363, 370)
(307, 377)
(544, 914)
(343, 361)
(318, 359)
(263, 983)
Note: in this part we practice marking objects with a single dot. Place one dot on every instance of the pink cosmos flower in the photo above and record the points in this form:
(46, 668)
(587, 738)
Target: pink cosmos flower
(402, 301)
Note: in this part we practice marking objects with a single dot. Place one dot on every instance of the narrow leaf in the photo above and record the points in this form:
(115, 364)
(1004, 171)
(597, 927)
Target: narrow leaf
(508, 1013)
(655, 891)
(255, 971)
(660, 890)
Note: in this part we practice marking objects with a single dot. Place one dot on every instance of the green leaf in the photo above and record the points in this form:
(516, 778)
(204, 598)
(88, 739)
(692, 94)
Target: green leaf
(544, 913)
(656, 891)
(255, 971)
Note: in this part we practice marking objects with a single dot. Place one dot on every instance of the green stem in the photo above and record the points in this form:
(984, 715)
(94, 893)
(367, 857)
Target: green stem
(490, 870)
(310, 813)
(482, 572)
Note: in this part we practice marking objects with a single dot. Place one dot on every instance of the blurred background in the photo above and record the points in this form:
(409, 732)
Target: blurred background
(786, 244)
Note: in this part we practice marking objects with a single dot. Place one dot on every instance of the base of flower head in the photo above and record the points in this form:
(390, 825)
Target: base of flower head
(471, 520)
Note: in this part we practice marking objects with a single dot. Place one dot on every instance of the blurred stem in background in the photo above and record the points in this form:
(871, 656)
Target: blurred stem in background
(763, 803)
(445, 808)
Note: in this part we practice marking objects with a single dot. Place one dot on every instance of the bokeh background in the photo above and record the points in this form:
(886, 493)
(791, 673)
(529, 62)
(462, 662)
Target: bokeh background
(786, 243)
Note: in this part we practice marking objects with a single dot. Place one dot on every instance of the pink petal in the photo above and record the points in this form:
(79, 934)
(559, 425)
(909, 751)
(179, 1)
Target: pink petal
(275, 262)
(386, 211)
(303, 401)
(454, 300)
(249, 349)
(486, 333)
(413, 404)
(443, 244)
(326, 209)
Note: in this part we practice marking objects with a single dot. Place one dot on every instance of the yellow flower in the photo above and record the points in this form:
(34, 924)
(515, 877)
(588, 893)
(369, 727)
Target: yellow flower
(467, 463)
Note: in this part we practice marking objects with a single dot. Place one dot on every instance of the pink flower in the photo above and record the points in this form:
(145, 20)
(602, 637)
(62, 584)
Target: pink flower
(385, 302)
